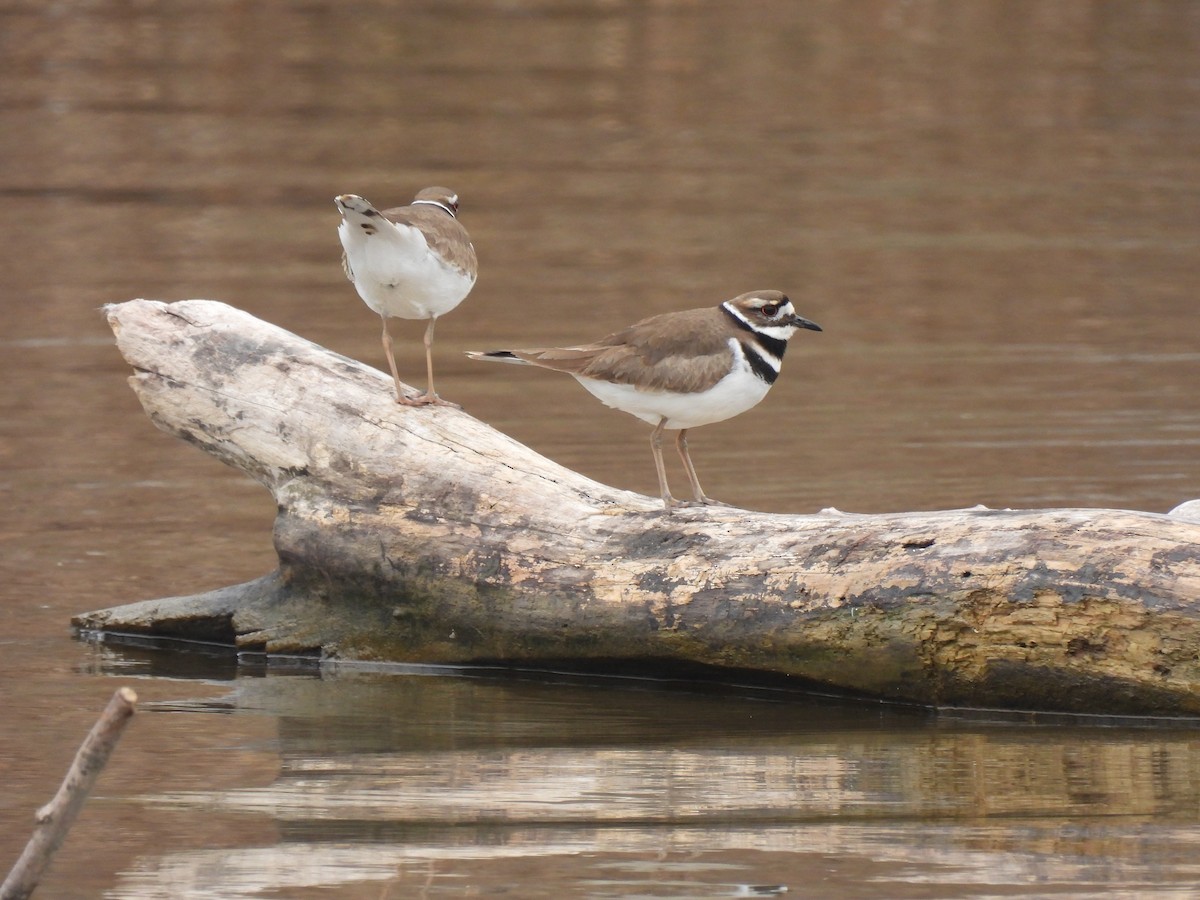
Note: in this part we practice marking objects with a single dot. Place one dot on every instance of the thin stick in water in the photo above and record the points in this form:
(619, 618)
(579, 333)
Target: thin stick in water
(55, 818)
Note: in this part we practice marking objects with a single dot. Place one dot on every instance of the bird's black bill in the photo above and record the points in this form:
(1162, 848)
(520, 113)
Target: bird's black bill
(801, 322)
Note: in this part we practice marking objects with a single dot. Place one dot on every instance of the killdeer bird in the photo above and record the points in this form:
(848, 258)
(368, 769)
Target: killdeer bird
(412, 262)
(680, 370)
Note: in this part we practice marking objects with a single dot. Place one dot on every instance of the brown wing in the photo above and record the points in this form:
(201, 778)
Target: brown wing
(680, 352)
(444, 233)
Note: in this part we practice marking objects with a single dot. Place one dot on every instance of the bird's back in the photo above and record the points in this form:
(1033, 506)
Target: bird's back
(412, 262)
(679, 352)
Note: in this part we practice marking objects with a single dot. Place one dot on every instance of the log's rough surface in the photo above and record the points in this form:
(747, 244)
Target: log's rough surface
(423, 535)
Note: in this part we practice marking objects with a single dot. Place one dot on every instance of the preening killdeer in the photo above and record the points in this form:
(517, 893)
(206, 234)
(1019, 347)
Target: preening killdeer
(681, 370)
(412, 262)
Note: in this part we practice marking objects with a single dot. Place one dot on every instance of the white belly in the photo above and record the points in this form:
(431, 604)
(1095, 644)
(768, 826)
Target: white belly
(734, 394)
(397, 275)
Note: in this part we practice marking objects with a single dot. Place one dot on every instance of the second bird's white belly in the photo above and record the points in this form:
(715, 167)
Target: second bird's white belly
(397, 275)
(737, 392)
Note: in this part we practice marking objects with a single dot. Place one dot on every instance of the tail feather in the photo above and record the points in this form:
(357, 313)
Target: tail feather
(504, 356)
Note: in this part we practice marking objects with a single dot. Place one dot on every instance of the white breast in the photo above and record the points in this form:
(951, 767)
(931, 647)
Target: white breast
(737, 392)
(397, 274)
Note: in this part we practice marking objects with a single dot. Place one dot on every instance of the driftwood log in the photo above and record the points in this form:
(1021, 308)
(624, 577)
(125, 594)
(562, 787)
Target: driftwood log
(423, 535)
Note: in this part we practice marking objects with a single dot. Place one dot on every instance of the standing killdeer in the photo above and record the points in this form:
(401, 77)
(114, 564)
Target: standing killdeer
(681, 370)
(412, 262)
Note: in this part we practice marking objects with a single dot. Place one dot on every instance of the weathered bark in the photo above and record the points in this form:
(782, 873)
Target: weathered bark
(423, 535)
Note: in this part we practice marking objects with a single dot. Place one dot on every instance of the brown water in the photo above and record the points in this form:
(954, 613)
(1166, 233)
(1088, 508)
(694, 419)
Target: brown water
(992, 207)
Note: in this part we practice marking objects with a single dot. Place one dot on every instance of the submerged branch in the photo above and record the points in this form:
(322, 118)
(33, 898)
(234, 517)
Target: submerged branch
(54, 819)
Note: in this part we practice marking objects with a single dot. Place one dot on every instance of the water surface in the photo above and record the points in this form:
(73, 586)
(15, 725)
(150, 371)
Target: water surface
(993, 209)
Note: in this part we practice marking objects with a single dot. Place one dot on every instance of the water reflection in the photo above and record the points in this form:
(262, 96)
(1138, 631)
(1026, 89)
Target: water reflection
(991, 207)
(622, 787)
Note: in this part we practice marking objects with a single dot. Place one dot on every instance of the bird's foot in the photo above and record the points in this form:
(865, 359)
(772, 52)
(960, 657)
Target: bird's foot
(425, 399)
(672, 503)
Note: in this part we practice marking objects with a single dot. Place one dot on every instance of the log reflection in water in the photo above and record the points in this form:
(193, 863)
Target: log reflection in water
(571, 785)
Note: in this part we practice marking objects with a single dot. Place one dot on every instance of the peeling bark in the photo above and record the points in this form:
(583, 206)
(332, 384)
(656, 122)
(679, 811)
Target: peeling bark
(423, 535)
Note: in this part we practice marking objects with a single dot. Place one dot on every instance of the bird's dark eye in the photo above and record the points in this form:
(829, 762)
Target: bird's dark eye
(770, 310)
